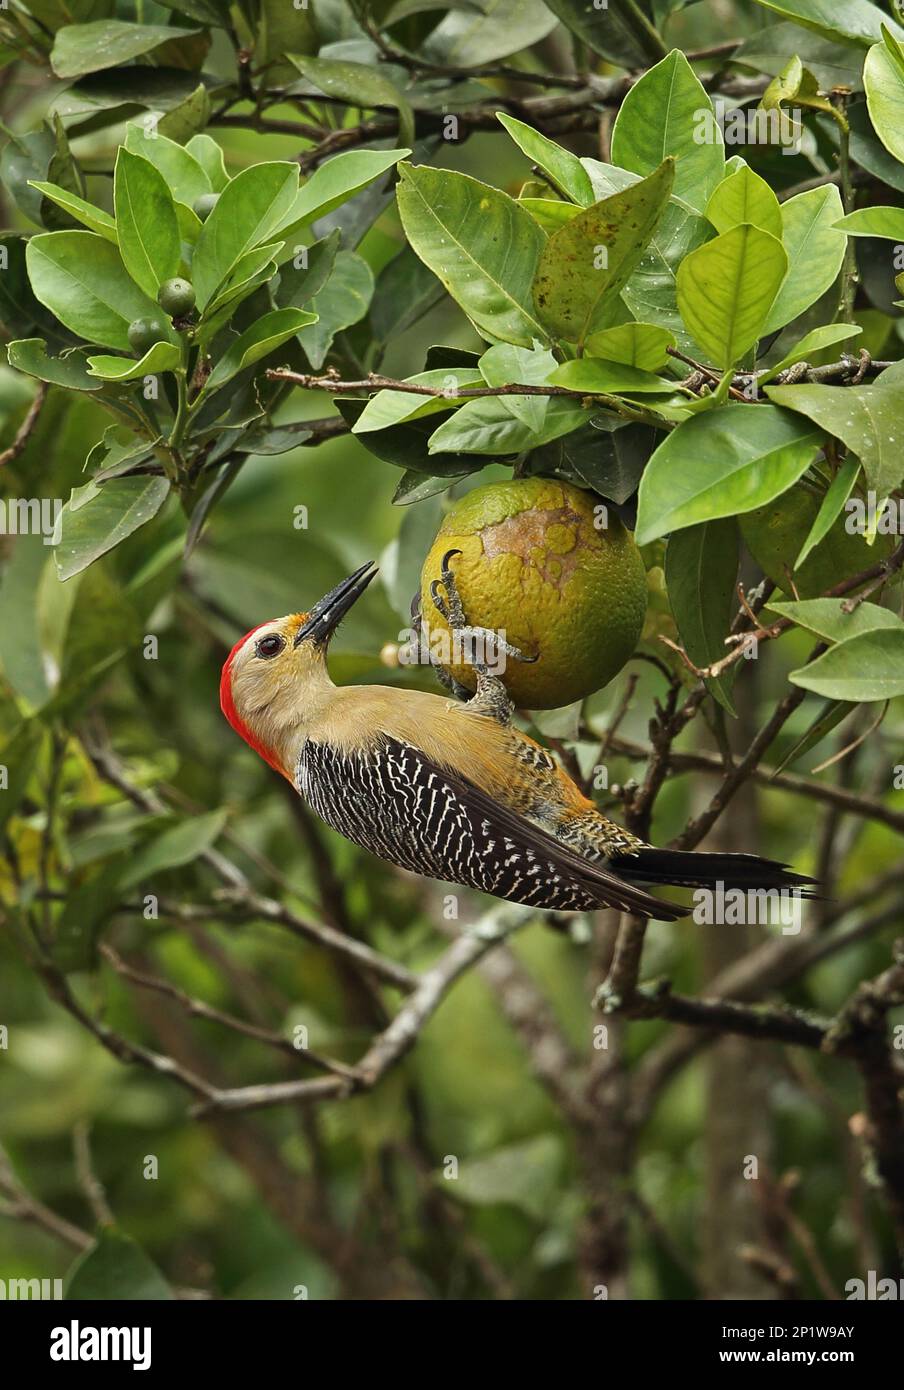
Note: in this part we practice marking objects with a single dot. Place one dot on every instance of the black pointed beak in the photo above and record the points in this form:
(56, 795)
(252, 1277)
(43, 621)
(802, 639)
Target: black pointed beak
(327, 614)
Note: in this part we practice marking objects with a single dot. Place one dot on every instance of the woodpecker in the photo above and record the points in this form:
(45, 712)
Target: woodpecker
(449, 789)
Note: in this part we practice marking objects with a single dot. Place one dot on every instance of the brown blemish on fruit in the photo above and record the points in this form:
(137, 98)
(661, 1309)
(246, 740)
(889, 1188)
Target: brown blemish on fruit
(547, 541)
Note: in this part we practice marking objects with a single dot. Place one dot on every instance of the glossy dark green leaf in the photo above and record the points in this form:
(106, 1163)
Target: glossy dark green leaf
(105, 43)
(343, 301)
(80, 277)
(701, 571)
(108, 516)
(30, 355)
(247, 215)
(865, 418)
(618, 30)
(116, 1268)
(865, 668)
(492, 29)
(360, 85)
(729, 460)
(857, 21)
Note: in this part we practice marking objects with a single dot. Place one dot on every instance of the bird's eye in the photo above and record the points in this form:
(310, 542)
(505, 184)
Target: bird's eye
(270, 646)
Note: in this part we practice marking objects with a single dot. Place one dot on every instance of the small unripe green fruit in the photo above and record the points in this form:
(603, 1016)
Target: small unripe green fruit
(176, 297)
(204, 206)
(144, 333)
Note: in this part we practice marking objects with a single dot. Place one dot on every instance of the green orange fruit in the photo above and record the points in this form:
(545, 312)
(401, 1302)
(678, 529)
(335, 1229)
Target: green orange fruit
(555, 572)
(774, 535)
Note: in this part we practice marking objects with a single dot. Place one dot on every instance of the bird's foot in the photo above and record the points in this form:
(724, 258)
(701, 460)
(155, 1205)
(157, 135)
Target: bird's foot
(478, 638)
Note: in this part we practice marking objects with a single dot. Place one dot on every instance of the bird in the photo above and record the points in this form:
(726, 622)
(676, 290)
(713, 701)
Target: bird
(447, 788)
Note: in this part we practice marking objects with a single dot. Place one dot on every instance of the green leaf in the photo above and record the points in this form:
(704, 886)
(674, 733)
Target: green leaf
(405, 445)
(856, 21)
(725, 461)
(883, 222)
(299, 283)
(247, 214)
(344, 300)
(484, 426)
(480, 243)
(794, 84)
(29, 355)
(19, 756)
(116, 1268)
(388, 408)
(252, 269)
(701, 571)
(162, 357)
(525, 1175)
(826, 617)
(549, 213)
(865, 418)
(491, 29)
(284, 31)
(21, 315)
(40, 155)
(668, 113)
(504, 364)
(832, 64)
(815, 341)
(94, 218)
(883, 79)
(584, 265)
(643, 345)
(146, 224)
(81, 278)
(406, 290)
(618, 30)
(261, 338)
(606, 179)
(815, 250)
(745, 197)
(867, 667)
(726, 288)
(565, 170)
(332, 184)
(173, 848)
(112, 513)
(190, 116)
(105, 43)
(652, 292)
(209, 155)
(185, 177)
(828, 718)
(830, 508)
(359, 85)
(595, 375)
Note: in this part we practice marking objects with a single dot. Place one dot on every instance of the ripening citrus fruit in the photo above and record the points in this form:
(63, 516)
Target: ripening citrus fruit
(176, 297)
(144, 333)
(774, 535)
(554, 571)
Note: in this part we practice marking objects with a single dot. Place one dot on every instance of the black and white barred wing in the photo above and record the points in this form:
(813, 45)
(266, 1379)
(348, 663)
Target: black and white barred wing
(396, 803)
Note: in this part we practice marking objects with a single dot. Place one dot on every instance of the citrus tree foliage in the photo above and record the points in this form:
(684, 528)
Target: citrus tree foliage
(603, 243)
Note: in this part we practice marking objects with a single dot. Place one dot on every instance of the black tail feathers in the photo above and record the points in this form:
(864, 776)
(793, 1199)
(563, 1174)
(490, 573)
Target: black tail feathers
(688, 869)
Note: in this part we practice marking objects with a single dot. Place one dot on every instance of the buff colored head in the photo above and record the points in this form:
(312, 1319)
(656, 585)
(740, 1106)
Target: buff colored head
(275, 675)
